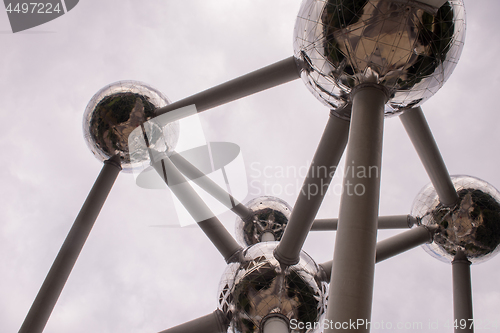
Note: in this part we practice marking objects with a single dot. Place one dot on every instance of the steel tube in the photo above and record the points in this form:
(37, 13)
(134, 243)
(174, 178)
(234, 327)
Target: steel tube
(403, 242)
(267, 77)
(351, 287)
(384, 222)
(267, 237)
(323, 166)
(462, 294)
(200, 179)
(276, 325)
(395, 245)
(58, 274)
(197, 208)
(211, 323)
(421, 136)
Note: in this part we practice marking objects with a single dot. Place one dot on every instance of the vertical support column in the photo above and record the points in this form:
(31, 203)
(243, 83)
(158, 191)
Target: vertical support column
(462, 294)
(276, 325)
(49, 292)
(267, 237)
(351, 287)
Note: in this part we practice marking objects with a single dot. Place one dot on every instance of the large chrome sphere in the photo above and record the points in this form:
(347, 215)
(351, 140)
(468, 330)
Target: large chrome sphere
(257, 287)
(403, 45)
(472, 225)
(269, 215)
(115, 111)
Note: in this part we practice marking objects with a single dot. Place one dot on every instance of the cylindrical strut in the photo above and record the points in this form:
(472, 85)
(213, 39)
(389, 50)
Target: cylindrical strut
(384, 222)
(267, 77)
(276, 325)
(211, 187)
(462, 294)
(55, 280)
(325, 161)
(395, 245)
(351, 287)
(421, 136)
(197, 208)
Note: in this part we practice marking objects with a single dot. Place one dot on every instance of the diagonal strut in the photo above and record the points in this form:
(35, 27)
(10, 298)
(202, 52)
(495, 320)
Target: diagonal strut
(325, 162)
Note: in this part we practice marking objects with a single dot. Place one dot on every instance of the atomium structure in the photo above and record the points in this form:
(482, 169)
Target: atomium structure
(365, 60)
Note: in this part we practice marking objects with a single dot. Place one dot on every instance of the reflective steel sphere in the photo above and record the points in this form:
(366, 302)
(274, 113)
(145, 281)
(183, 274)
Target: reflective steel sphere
(257, 286)
(472, 225)
(269, 215)
(403, 45)
(115, 111)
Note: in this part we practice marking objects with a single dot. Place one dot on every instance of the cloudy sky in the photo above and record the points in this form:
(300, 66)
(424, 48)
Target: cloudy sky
(134, 277)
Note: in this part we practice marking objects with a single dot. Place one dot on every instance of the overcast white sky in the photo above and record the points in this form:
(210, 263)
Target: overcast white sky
(132, 277)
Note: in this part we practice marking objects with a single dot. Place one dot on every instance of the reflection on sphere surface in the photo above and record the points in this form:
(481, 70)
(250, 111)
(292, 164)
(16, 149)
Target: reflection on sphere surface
(401, 45)
(472, 225)
(115, 111)
(257, 285)
(269, 215)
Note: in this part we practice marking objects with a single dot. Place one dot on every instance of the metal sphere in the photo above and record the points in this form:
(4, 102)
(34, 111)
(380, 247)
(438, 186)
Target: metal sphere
(269, 215)
(257, 287)
(402, 45)
(115, 111)
(472, 225)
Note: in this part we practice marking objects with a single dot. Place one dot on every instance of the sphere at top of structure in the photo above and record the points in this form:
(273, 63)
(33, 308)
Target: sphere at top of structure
(407, 47)
(471, 225)
(269, 215)
(115, 111)
(257, 287)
